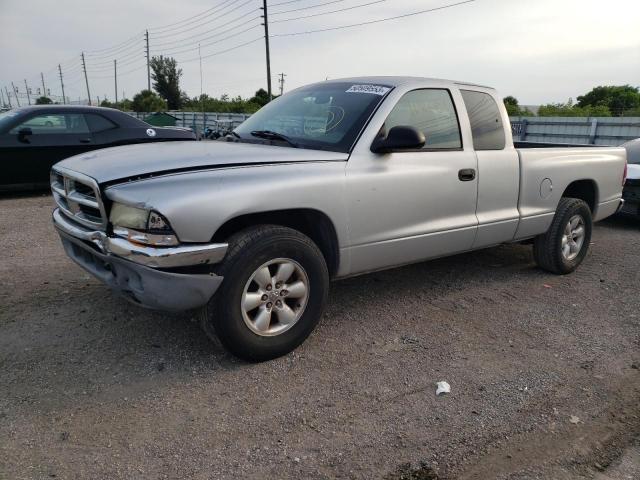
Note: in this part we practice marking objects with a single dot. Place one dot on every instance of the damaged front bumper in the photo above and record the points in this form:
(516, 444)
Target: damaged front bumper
(139, 272)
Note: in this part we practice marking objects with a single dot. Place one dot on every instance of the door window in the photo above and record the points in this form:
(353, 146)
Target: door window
(486, 122)
(430, 111)
(54, 124)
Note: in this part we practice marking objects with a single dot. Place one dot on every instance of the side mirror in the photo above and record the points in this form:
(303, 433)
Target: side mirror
(399, 138)
(23, 133)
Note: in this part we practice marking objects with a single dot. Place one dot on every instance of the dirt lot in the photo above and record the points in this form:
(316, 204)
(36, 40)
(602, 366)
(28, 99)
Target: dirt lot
(92, 387)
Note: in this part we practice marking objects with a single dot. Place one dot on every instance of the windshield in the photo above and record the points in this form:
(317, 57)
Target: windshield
(323, 116)
(6, 118)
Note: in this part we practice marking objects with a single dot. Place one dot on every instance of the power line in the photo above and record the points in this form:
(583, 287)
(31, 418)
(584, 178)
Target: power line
(120, 74)
(125, 58)
(170, 51)
(220, 52)
(307, 32)
(207, 23)
(330, 12)
(114, 47)
(173, 42)
(165, 27)
(122, 61)
(285, 3)
(163, 33)
(121, 51)
(323, 4)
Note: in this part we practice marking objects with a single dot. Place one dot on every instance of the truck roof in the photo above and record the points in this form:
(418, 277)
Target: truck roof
(397, 81)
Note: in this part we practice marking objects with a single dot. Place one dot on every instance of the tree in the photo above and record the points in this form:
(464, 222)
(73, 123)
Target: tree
(148, 101)
(570, 110)
(43, 101)
(166, 80)
(618, 99)
(513, 109)
(123, 105)
(224, 104)
(261, 97)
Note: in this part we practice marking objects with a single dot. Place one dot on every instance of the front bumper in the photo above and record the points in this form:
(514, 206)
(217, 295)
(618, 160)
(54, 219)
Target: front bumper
(135, 271)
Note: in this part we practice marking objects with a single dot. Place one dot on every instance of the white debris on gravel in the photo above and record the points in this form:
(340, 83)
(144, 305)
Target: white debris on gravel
(443, 387)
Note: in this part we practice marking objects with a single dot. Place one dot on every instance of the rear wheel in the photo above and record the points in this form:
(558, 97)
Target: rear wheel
(566, 243)
(274, 291)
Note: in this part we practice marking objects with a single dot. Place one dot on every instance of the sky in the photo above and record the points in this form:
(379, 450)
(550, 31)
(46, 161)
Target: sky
(539, 51)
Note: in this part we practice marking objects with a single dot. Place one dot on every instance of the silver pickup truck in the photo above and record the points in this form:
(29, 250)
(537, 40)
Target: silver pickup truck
(331, 180)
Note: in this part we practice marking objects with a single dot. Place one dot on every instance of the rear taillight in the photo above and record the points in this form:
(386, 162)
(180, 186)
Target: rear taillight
(624, 175)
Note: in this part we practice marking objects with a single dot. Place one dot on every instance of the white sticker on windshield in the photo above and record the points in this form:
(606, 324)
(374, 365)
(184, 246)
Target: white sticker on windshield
(374, 89)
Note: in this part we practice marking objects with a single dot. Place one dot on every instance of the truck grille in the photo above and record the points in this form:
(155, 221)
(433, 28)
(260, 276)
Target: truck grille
(78, 197)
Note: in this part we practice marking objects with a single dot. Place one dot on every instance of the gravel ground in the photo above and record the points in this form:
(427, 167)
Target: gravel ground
(543, 372)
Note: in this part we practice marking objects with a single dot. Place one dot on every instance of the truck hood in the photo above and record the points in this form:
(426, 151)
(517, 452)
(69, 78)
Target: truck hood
(142, 160)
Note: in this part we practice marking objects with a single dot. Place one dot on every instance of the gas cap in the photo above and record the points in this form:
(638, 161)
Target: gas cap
(546, 188)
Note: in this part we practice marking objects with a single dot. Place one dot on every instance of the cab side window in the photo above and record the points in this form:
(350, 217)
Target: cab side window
(55, 123)
(97, 123)
(486, 122)
(432, 112)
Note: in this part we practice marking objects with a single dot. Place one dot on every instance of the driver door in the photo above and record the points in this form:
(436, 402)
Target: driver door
(409, 206)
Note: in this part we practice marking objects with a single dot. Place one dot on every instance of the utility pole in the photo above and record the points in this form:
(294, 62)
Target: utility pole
(266, 44)
(86, 79)
(146, 38)
(281, 81)
(8, 97)
(64, 99)
(27, 88)
(115, 78)
(15, 91)
(201, 91)
(44, 90)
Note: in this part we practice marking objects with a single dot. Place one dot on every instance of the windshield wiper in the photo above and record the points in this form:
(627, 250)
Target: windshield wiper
(271, 135)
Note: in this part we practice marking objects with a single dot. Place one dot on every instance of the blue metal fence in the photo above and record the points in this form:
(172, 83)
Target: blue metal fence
(199, 121)
(612, 131)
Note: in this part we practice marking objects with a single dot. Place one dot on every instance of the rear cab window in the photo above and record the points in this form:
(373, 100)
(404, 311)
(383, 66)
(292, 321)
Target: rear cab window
(431, 111)
(487, 127)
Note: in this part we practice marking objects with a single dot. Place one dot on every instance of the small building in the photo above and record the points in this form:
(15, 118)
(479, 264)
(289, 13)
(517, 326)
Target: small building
(161, 119)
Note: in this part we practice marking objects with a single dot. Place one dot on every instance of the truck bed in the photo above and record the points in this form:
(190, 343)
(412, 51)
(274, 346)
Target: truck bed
(546, 173)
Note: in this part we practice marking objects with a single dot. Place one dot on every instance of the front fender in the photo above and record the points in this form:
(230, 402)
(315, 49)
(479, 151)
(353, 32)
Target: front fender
(198, 203)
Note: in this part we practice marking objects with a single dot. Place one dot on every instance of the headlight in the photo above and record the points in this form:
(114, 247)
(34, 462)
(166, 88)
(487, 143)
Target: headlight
(129, 217)
(143, 226)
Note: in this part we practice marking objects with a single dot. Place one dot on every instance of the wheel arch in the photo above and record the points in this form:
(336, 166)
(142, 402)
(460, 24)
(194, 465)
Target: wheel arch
(584, 189)
(315, 224)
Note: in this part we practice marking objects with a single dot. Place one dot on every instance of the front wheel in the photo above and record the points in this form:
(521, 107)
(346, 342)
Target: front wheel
(273, 294)
(564, 246)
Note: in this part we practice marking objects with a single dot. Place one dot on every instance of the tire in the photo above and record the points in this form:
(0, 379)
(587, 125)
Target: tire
(562, 249)
(244, 331)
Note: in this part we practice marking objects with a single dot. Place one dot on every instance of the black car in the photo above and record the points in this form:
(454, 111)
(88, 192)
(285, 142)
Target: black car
(33, 138)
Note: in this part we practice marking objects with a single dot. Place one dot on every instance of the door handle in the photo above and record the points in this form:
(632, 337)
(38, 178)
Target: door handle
(85, 140)
(466, 174)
